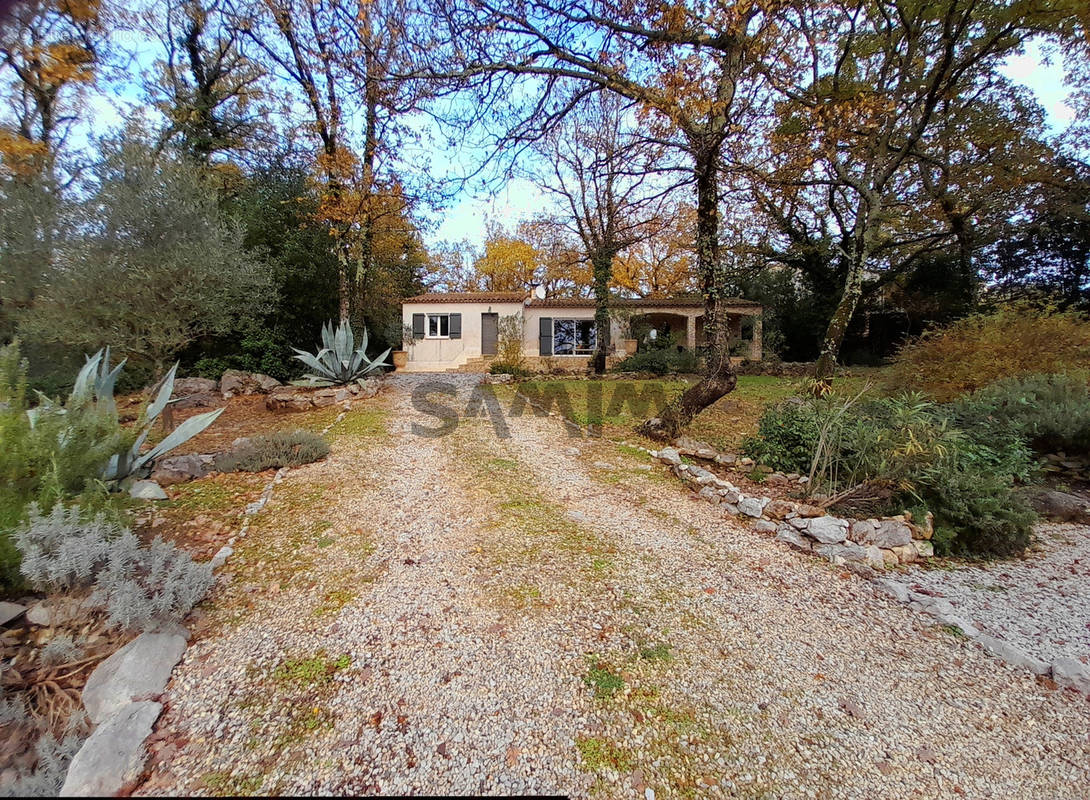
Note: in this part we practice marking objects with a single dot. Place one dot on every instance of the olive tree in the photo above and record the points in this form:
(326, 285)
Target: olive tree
(155, 264)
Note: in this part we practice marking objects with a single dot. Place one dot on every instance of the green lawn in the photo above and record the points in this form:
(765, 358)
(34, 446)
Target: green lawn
(618, 406)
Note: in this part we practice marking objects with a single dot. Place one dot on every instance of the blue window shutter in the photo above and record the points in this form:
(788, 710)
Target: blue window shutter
(545, 335)
(418, 326)
(455, 326)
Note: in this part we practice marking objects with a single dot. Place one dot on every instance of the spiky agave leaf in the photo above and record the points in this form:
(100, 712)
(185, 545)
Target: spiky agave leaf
(339, 362)
(183, 433)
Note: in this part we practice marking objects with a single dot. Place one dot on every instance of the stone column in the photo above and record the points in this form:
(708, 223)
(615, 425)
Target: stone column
(755, 345)
(690, 331)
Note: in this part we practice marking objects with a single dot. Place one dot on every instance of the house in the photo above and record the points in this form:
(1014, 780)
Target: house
(460, 330)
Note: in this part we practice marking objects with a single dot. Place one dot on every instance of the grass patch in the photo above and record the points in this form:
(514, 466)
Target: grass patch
(366, 422)
(601, 754)
(333, 601)
(224, 784)
(658, 652)
(312, 671)
(603, 680)
(953, 630)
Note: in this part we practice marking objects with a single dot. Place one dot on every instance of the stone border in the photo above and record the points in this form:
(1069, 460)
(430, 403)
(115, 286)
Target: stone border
(874, 542)
(121, 694)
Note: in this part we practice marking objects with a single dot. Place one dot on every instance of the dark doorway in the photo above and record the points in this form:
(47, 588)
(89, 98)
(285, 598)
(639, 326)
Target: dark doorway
(490, 333)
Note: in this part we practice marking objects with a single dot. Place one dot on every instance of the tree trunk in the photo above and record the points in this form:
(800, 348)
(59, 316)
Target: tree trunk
(602, 264)
(719, 376)
(838, 324)
(862, 245)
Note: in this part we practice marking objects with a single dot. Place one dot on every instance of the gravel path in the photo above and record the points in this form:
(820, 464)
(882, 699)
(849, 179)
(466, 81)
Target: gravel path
(466, 614)
(1041, 603)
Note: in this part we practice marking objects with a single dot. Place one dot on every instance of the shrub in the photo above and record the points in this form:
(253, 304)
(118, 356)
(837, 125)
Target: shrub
(509, 340)
(275, 450)
(137, 586)
(907, 451)
(660, 361)
(1051, 412)
(786, 437)
(982, 349)
(507, 368)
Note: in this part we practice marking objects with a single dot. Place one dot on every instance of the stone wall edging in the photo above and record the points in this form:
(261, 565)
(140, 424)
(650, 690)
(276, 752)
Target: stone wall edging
(808, 528)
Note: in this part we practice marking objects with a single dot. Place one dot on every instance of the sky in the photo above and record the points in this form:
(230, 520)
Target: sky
(469, 212)
(466, 218)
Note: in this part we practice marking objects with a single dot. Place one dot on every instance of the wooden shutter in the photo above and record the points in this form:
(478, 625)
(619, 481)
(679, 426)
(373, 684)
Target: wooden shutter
(455, 326)
(418, 326)
(545, 336)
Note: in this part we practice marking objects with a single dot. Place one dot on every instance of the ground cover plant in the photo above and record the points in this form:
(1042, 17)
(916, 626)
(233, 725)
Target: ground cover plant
(274, 450)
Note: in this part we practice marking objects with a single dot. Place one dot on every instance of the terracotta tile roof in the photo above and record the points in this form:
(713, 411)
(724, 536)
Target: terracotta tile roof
(568, 302)
(636, 302)
(467, 297)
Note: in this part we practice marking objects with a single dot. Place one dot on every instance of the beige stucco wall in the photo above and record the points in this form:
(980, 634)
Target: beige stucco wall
(437, 355)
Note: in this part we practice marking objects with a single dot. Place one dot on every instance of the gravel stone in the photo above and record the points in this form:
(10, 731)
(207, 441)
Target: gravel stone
(472, 620)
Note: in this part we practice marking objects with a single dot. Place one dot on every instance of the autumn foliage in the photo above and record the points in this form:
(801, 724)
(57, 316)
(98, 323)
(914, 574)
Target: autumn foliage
(981, 349)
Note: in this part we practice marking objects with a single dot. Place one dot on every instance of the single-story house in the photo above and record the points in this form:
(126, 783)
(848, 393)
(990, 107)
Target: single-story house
(460, 330)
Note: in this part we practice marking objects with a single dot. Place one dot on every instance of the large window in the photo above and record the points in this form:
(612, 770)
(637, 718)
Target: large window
(573, 337)
(438, 326)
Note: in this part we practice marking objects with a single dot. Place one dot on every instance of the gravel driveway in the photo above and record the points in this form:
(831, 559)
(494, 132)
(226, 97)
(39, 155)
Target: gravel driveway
(543, 614)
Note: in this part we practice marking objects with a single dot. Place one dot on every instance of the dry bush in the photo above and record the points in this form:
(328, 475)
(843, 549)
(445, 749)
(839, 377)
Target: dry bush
(974, 352)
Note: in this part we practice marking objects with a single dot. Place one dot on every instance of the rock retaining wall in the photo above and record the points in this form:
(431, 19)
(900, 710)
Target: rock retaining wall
(866, 545)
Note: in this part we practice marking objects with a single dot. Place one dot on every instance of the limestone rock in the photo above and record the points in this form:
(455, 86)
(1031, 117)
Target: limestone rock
(875, 557)
(238, 382)
(753, 506)
(220, 558)
(688, 446)
(906, 554)
(828, 530)
(185, 386)
(147, 490)
(53, 612)
(10, 611)
(788, 535)
(845, 551)
(764, 526)
(112, 759)
(895, 589)
(886, 533)
(730, 495)
(179, 469)
(1067, 671)
(806, 510)
(924, 549)
(139, 669)
(669, 455)
(711, 495)
(1013, 655)
(289, 400)
(778, 509)
(1060, 506)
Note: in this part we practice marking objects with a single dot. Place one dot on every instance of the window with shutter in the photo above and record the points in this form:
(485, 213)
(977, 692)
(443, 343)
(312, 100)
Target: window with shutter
(418, 326)
(545, 336)
(455, 326)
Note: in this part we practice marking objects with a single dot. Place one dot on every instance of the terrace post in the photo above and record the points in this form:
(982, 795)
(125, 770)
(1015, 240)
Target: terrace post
(755, 344)
(690, 332)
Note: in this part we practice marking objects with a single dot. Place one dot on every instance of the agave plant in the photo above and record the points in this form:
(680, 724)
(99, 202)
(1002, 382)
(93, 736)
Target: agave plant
(94, 392)
(339, 361)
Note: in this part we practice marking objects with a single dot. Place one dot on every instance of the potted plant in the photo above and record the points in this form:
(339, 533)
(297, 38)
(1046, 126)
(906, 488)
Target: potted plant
(401, 357)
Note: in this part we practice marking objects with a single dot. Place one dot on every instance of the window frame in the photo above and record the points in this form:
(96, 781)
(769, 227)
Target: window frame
(575, 353)
(439, 316)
